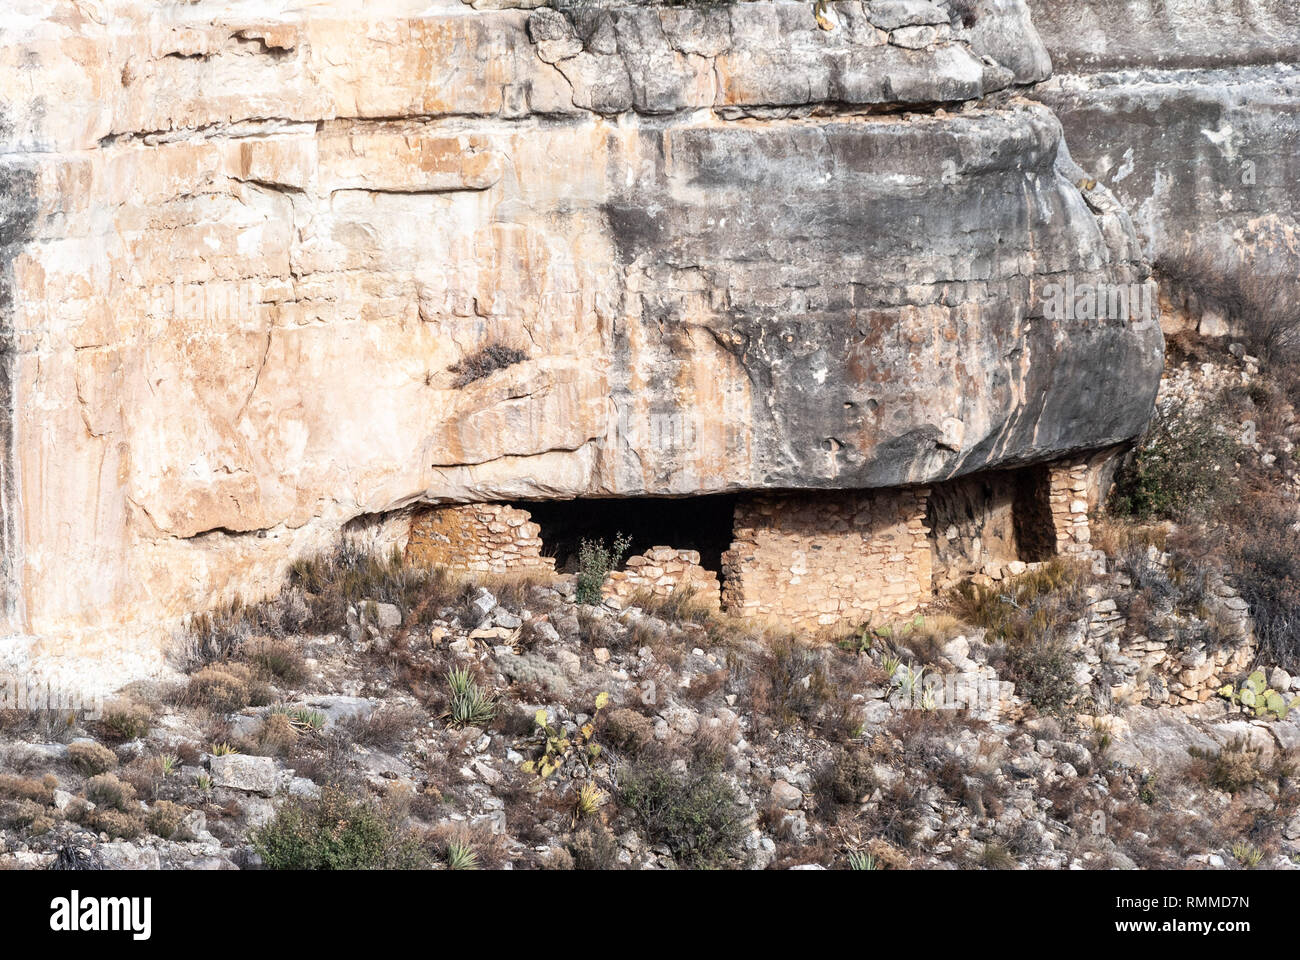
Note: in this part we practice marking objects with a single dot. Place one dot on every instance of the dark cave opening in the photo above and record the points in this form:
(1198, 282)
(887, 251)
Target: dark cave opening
(701, 523)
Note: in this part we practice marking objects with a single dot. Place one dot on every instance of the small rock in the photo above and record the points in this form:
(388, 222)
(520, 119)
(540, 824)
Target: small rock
(249, 774)
(786, 795)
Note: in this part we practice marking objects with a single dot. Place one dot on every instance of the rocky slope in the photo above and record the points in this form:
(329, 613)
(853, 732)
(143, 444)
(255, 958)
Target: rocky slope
(715, 744)
(249, 250)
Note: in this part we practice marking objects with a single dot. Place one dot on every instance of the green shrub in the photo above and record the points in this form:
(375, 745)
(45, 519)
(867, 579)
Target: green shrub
(1182, 468)
(336, 833)
(595, 561)
(697, 814)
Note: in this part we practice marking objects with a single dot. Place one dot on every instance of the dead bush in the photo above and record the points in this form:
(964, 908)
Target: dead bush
(125, 720)
(484, 362)
(277, 658)
(26, 788)
(628, 730)
(91, 758)
(106, 790)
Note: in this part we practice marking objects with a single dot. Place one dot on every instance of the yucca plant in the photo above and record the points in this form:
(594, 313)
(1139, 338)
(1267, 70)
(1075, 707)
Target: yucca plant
(223, 750)
(1247, 854)
(587, 801)
(861, 860)
(461, 856)
(471, 705)
(301, 718)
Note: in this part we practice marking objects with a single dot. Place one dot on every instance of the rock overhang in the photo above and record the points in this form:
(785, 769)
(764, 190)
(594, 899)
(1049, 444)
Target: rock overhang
(720, 281)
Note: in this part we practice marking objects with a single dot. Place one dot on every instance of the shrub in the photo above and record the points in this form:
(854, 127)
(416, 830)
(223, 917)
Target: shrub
(1266, 566)
(1181, 468)
(116, 824)
(791, 683)
(1029, 617)
(1232, 769)
(105, 790)
(91, 758)
(277, 735)
(224, 687)
(336, 832)
(280, 659)
(595, 561)
(697, 815)
(849, 777)
(125, 720)
(165, 818)
(593, 848)
(384, 727)
(628, 730)
(482, 363)
(23, 788)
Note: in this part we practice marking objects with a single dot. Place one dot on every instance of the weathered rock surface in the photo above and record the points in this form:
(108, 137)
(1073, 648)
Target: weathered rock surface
(1188, 110)
(241, 255)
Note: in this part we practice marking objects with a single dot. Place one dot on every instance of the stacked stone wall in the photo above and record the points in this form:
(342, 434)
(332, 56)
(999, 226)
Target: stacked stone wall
(484, 537)
(819, 559)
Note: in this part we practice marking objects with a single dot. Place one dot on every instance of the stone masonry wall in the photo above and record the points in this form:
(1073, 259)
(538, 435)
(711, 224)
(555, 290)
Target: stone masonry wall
(485, 537)
(1156, 667)
(818, 559)
(661, 571)
(1069, 502)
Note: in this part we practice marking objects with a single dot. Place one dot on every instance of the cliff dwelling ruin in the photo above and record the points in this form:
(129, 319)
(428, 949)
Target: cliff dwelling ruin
(811, 558)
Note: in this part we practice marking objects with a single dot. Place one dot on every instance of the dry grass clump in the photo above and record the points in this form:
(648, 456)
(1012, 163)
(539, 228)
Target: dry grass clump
(1027, 617)
(279, 658)
(484, 362)
(106, 790)
(226, 687)
(125, 720)
(25, 788)
(91, 758)
(385, 727)
(684, 605)
(316, 600)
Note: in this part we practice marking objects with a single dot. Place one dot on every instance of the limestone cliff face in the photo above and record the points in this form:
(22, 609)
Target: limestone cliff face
(249, 249)
(1190, 111)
